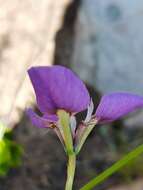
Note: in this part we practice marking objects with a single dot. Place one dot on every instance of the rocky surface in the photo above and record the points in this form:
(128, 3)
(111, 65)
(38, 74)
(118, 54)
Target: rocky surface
(108, 46)
(27, 37)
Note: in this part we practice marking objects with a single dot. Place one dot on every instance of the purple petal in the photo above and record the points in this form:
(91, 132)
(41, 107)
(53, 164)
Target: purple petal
(116, 105)
(39, 80)
(50, 118)
(41, 122)
(57, 87)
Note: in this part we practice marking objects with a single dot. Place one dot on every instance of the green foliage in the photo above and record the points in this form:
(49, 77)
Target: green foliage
(10, 154)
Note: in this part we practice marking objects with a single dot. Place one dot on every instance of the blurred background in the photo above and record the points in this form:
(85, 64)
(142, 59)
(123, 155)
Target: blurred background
(101, 40)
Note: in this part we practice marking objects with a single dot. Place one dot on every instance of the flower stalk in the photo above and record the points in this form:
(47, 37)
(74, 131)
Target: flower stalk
(70, 171)
(64, 121)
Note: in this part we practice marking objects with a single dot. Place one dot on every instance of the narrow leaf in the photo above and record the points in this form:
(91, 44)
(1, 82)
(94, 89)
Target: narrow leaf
(114, 168)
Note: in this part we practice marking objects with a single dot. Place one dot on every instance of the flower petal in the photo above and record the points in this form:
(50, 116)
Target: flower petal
(39, 80)
(50, 118)
(57, 87)
(116, 105)
(41, 122)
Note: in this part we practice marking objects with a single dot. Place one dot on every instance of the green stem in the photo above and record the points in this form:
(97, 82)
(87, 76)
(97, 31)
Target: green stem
(114, 168)
(70, 171)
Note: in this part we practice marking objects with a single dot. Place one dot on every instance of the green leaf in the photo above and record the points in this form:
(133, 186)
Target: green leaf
(16, 152)
(114, 168)
(10, 154)
(3, 169)
(4, 152)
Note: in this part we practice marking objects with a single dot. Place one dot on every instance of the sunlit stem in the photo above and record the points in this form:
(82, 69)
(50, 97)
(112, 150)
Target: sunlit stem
(70, 171)
(64, 120)
(114, 168)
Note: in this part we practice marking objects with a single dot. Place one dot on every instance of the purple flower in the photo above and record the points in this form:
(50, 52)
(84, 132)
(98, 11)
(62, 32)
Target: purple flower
(115, 105)
(111, 107)
(56, 88)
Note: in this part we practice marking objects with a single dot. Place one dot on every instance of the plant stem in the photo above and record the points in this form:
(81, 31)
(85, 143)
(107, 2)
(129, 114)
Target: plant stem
(70, 171)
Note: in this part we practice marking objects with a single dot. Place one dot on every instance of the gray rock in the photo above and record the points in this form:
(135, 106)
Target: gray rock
(108, 51)
(27, 38)
(109, 45)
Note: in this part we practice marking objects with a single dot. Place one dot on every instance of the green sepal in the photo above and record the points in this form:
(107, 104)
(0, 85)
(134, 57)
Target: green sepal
(64, 121)
(82, 134)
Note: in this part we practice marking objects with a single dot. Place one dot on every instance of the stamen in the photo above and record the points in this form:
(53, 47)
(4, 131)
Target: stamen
(52, 125)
